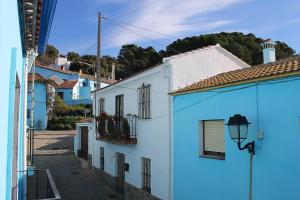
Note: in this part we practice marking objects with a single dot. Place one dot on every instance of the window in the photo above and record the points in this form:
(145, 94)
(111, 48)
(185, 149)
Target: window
(119, 112)
(146, 174)
(213, 139)
(60, 94)
(144, 102)
(101, 106)
(102, 158)
(28, 113)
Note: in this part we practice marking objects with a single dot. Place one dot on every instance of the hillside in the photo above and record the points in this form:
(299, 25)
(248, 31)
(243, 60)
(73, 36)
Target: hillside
(132, 59)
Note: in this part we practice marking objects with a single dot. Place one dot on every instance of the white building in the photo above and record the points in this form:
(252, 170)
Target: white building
(140, 160)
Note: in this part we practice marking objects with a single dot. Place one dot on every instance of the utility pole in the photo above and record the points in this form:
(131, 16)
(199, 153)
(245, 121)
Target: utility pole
(98, 63)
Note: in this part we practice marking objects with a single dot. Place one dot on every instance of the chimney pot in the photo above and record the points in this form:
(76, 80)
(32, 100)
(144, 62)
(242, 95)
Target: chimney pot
(269, 51)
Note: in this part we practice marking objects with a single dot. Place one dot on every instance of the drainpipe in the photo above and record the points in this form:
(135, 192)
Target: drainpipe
(170, 123)
(32, 97)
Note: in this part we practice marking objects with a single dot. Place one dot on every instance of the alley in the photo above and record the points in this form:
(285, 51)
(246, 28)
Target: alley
(53, 150)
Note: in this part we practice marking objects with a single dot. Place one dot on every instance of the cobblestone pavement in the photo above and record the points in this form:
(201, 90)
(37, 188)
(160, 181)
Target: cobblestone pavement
(72, 181)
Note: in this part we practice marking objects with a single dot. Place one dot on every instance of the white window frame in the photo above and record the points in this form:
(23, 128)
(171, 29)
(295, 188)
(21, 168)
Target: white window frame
(203, 151)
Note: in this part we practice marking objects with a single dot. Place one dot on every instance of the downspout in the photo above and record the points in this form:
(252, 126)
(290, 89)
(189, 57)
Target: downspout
(170, 124)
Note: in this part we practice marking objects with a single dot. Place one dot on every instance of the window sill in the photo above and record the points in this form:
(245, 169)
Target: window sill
(213, 157)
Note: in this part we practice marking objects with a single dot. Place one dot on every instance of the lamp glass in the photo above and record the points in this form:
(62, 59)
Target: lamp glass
(233, 130)
(243, 131)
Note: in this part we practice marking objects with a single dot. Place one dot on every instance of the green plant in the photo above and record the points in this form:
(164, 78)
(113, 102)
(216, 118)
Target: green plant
(111, 126)
(126, 127)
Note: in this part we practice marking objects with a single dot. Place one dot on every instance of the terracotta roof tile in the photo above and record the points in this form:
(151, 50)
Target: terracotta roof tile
(284, 67)
(68, 84)
(85, 120)
(37, 78)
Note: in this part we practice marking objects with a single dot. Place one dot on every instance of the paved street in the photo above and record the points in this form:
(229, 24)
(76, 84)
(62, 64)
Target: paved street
(54, 151)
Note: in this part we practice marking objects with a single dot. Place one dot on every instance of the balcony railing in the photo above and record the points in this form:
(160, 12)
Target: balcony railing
(30, 146)
(117, 130)
(40, 185)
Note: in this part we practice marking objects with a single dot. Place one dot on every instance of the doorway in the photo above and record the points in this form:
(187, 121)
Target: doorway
(84, 142)
(120, 178)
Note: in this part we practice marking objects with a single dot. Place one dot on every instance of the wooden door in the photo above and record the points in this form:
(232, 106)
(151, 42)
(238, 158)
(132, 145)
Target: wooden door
(120, 179)
(84, 142)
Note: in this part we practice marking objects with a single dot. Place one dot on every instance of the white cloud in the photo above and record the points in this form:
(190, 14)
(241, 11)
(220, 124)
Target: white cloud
(171, 17)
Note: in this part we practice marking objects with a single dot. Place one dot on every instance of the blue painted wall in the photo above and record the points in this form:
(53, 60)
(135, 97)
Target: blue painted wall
(40, 105)
(12, 65)
(273, 107)
(68, 94)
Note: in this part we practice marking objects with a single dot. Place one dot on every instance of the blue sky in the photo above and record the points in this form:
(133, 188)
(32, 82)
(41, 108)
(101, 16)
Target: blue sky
(75, 23)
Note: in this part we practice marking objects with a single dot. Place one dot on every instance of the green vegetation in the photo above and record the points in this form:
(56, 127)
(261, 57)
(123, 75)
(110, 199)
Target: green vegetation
(64, 117)
(132, 59)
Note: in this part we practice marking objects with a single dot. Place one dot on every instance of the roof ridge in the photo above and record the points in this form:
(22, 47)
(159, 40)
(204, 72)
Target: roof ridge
(280, 68)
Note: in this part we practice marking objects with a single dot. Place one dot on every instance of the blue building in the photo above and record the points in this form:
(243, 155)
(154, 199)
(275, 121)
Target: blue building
(74, 88)
(207, 163)
(44, 95)
(22, 35)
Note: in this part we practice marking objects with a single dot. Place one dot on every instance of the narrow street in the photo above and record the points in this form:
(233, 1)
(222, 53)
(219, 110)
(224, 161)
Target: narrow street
(54, 151)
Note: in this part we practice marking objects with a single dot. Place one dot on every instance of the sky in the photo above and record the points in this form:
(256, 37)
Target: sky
(158, 23)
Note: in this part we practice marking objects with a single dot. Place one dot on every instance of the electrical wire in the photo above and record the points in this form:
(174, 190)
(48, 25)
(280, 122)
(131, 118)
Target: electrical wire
(142, 28)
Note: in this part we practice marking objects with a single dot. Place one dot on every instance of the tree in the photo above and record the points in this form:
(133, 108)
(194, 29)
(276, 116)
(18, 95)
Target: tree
(49, 56)
(245, 46)
(135, 59)
(72, 56)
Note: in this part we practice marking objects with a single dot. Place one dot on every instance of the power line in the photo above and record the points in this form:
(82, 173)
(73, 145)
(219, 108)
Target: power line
(141, 35)
(143, 28)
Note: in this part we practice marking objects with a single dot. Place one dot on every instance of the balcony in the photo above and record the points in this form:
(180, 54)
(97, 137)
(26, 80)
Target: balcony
(116, 130)
(40, 185)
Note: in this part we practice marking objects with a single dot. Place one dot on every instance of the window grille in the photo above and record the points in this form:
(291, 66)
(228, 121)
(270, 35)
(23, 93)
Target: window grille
(146, 174)
(144, 102)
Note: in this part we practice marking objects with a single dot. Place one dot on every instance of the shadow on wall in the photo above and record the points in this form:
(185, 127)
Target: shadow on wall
(60, 143)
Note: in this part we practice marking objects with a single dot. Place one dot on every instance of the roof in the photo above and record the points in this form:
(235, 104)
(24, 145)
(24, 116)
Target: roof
(37, 17)
(165, 59)
(37, 78)
(282, 68)
(85, 120)
(86, 76)
(68, 84)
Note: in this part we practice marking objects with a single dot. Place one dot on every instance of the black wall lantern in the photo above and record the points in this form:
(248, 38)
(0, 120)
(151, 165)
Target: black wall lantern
(238, 129)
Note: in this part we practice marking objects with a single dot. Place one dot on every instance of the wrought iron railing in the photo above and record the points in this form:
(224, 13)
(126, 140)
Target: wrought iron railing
(30, 146)
(120, 130)
(40, 185)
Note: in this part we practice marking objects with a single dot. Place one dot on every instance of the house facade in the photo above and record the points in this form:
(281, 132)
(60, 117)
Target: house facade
(80, 93)
(19, 44)
(132, 139)
(44, 96)
(207, 163)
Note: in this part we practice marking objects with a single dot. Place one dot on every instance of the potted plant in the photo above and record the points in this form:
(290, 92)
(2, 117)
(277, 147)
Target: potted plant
(126, 128)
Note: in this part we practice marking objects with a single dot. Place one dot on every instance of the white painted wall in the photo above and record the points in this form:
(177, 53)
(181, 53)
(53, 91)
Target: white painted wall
(75, 92)
(77, 137)
(154, 135)
(197, 65)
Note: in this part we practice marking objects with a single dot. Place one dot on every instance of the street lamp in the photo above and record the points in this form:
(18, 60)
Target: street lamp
(238, 129)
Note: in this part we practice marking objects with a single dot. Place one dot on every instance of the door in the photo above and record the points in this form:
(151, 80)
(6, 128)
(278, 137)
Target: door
(84, 142)
(120, 179)
(119, 113)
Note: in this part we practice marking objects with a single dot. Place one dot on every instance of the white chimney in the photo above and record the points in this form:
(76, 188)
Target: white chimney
(269, 51)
